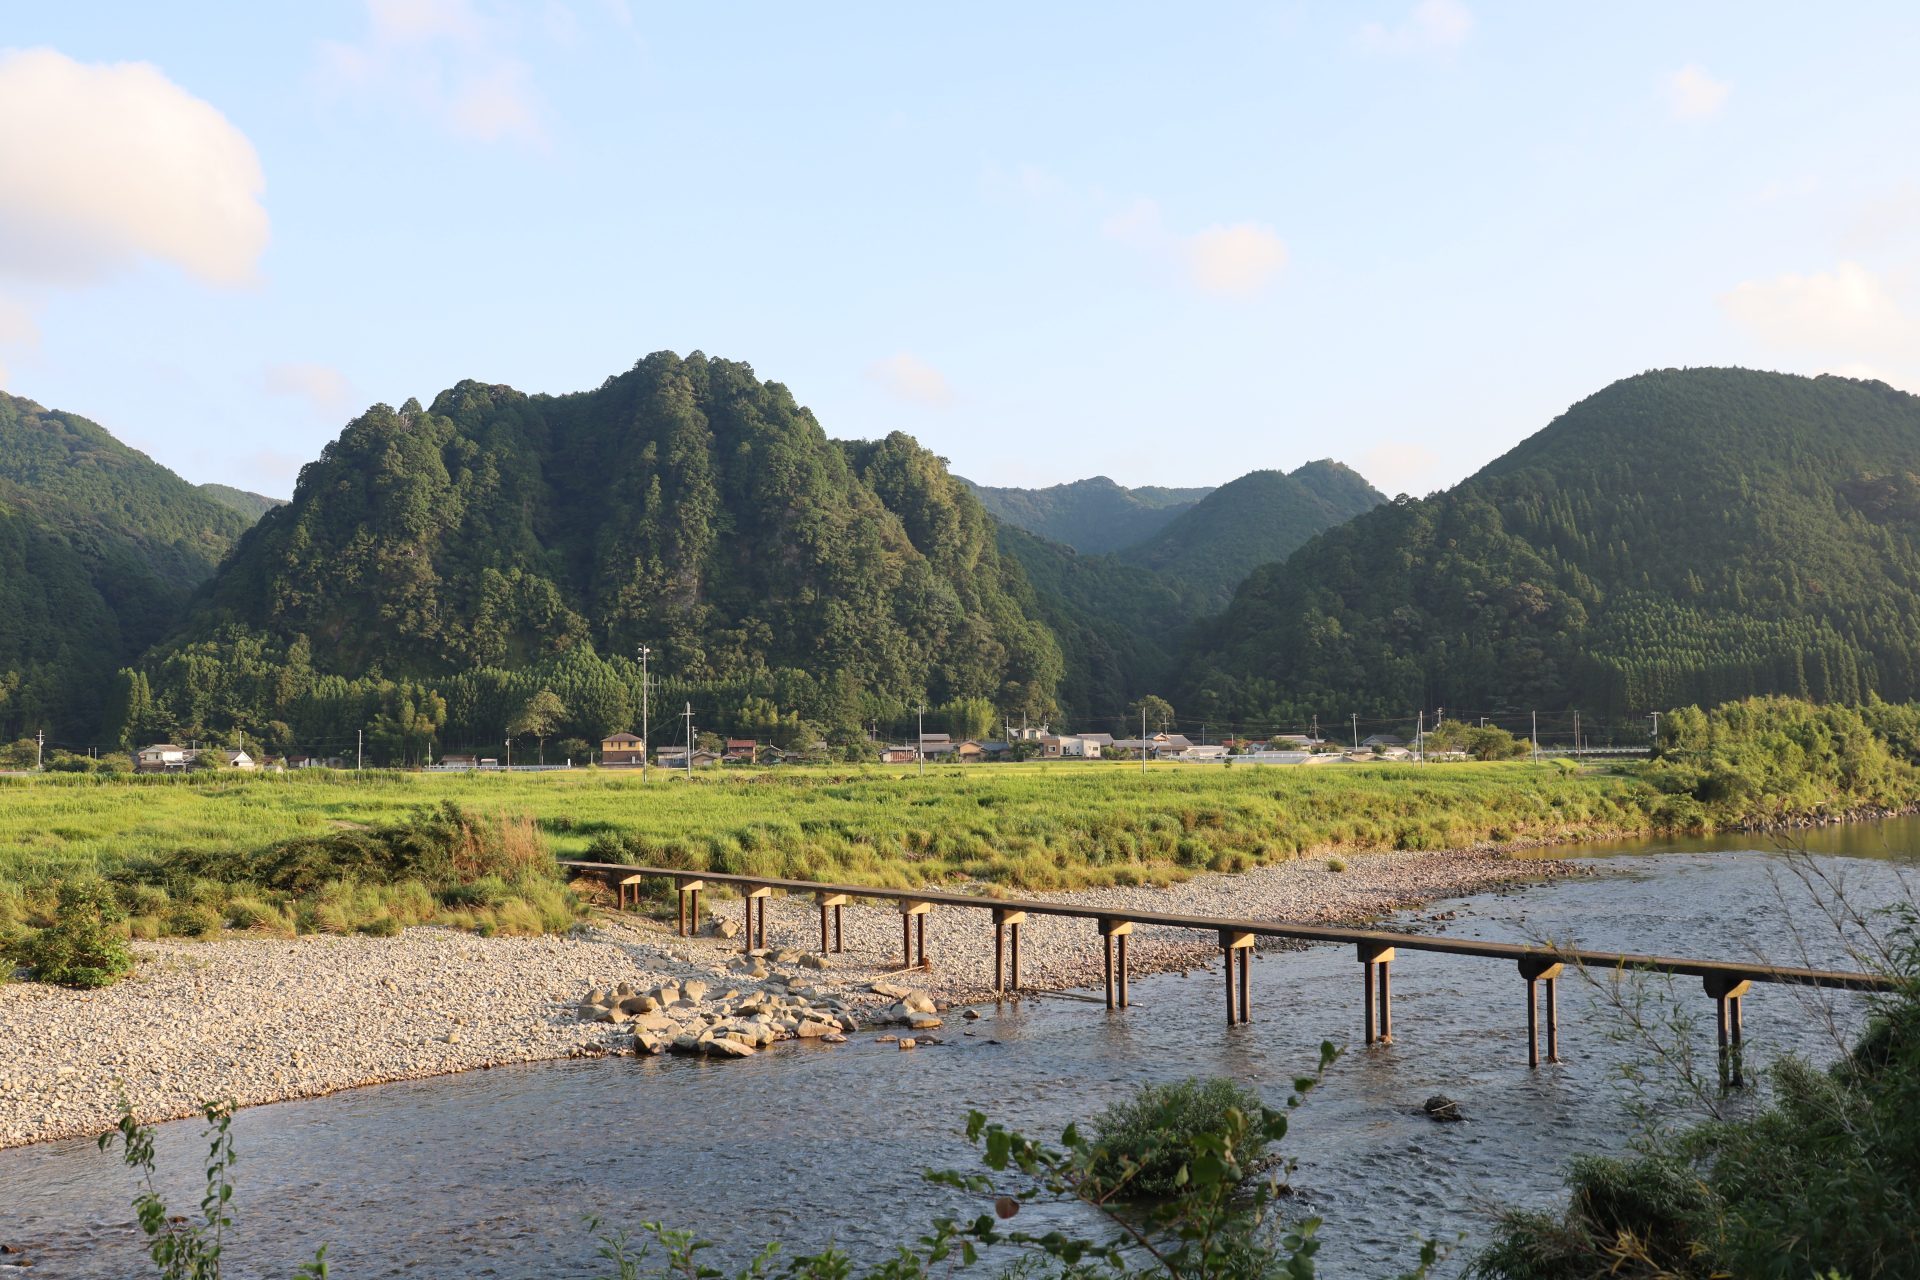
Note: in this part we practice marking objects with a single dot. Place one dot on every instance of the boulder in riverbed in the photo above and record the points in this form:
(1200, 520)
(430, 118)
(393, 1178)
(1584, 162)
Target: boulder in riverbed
(1442, 1108)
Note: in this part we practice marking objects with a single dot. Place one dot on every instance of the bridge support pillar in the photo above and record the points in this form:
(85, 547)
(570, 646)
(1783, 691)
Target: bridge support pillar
(621, 888)
(760, 895)
(835, 901)
(1376, 960)
(689, 894)
(1728, 990)
(914, 912)
(1238, 944)
(1006, 929)
(1538, 970)
(1110, 930)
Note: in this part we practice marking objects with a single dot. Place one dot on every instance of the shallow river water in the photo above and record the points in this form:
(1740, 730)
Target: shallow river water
(493, 1173)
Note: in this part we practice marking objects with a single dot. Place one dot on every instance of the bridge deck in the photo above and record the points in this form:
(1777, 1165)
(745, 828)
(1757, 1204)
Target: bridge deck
(1730, 971)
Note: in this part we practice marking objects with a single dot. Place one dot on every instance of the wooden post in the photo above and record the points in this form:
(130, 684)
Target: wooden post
(1246, 984)
(1110, 930)
(1231, 941)
(912, 910)
(632, 882)
(1106, 945)
(689, 893)
(1727, 990)
(1375, 958)
(835, 901)
(1366, 986)
(1013, 945)
(1538, 969)
(839, 934)
(999, 955)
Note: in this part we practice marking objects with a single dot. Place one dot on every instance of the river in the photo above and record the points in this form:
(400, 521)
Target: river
(493, 1173)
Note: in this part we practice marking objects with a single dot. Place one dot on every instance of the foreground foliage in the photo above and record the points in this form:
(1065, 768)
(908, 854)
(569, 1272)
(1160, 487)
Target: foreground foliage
(1824, 1180)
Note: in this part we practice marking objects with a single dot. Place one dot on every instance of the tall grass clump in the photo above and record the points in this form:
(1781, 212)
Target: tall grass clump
(1150, 1133)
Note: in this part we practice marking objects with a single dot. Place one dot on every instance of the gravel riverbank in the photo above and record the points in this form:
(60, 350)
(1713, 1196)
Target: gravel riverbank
(260, 1019)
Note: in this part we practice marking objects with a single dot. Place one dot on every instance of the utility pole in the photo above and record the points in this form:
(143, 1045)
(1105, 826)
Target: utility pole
(1316, 727)
(920, 747)
(1356, 731)
(509, 751)
(1420, 736)
(688, 714)
(1143, 737)
(1576, 733)
(1536, 736)
(39, 750)
(1656, 731)
(646, 743)
(359, 749)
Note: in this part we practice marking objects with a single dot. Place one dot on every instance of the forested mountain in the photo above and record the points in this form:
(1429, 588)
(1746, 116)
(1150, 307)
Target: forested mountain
(250, 505)
(1089, 515)
(100, 547)
(1119, 626)
(1258, 519)
(436, 568)
(1684, 536)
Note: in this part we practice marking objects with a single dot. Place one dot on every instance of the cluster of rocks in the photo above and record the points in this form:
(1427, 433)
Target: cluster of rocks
(689, 1016)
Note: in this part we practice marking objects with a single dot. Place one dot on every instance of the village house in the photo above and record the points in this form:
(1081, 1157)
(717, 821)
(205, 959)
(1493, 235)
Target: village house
(161, 757)
(623, 749)
(676, 757)
(1380, 740)
(897, 755)
(741, 750)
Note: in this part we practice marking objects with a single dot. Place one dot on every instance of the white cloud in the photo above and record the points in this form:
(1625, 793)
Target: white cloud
(322, 386)
(103, 165)
(907, 377)
(1848, 311)
(1400, 466)
(1430, 26)
(1238, 259)
(444, 58)
(1692, 94)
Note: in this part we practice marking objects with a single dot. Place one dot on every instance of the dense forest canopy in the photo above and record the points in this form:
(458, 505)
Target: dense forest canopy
(498, 544)
(1681, 536)
(100, 547)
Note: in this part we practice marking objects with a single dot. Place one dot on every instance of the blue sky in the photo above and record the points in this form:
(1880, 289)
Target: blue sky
(1165, 244)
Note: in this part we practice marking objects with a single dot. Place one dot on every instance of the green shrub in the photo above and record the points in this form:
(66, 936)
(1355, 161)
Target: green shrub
(245, 912)
(81, 947)
(1336, 864)
(192, 920)
(1153, 1130)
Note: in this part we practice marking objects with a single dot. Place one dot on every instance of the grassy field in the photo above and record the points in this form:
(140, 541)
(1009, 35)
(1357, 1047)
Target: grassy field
(1034, 826)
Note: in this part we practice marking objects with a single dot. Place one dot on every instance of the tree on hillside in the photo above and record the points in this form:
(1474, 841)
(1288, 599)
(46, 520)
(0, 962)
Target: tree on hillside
(538, 719)
(1157, 711)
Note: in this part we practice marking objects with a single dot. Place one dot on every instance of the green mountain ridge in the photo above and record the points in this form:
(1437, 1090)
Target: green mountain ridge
(1262, 517)
(100, 548)
(1680, 536)
(249, 504)
(1093, 515)
(684, 504)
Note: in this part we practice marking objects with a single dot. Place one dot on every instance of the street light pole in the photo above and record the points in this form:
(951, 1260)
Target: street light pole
(920, 747)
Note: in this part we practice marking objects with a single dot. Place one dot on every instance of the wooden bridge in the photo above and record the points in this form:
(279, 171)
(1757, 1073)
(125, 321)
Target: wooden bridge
(1726, 982)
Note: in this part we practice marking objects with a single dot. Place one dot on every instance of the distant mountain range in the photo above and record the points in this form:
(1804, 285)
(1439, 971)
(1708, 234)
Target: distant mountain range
(1089, 515)
(1681, 536)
